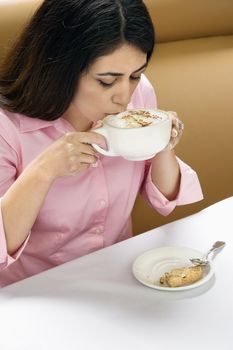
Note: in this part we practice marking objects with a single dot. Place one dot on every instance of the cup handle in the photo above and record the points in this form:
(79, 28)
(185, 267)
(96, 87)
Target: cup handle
(108, 152)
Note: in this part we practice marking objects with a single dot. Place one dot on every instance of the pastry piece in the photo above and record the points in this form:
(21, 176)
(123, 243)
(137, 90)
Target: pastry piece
(182, 276)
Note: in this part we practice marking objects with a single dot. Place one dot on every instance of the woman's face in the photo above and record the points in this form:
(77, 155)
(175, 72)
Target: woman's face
(107, 87)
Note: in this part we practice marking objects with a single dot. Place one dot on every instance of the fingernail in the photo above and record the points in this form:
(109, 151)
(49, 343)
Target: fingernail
(94, 165)
(174, 133)
(103, 145)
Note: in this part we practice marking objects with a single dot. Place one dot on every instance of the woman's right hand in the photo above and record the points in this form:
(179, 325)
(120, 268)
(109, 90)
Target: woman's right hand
(70, 154)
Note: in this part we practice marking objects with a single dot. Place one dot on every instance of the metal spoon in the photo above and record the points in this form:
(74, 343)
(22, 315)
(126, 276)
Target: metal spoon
(217, 246)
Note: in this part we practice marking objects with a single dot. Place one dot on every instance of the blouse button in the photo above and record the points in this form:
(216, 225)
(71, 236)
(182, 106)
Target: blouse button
(102, 204)
(99, 229)
(95, 165)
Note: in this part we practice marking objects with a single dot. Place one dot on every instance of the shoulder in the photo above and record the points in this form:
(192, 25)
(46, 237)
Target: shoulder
(144, 96)
(145, 83)
(8, 120)
(9, 128)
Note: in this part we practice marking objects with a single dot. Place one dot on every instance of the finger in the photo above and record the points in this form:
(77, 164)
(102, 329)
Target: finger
(87, 159)
(84, 137)
(174, 132)
(180, 126)
(76, 162)
(177, 131)
(97, 125)
(102, 141)
(91, 137)
(175, 137)
(175, 119)
(173, 143)
(173, 115)
(177, 124)
(86, 149)
(76, 149)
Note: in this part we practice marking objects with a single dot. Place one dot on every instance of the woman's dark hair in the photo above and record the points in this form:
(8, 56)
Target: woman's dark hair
(40, 75)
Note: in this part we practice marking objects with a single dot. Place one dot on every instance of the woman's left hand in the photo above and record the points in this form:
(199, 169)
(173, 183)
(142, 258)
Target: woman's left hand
(177, 130)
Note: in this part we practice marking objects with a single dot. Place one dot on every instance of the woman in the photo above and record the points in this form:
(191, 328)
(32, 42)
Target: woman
(76, 62)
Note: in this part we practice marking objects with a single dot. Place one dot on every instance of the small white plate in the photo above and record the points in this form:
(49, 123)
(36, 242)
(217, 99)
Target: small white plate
(151, 265)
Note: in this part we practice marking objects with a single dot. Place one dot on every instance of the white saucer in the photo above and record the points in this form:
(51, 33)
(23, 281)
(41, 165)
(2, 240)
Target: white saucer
(151, 265)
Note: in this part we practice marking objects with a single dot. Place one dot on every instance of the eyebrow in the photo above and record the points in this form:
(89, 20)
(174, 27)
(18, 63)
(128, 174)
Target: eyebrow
(115, 74)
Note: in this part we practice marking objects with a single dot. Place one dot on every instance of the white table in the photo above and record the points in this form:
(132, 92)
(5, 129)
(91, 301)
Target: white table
(95, 303)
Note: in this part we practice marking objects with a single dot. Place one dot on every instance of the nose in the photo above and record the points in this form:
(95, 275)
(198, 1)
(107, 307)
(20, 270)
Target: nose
(122, 95)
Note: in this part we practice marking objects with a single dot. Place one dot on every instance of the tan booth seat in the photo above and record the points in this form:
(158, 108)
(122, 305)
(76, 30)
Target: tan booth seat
(192, 72)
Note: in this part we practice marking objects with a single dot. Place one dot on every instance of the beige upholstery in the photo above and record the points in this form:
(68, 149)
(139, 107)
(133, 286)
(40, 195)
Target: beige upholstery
(13, 16)
(192, 72)
(186, 19)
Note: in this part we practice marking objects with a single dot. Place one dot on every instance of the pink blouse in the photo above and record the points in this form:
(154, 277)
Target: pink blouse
(84, 213)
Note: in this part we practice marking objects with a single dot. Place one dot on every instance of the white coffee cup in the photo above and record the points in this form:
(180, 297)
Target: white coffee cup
(136, 134)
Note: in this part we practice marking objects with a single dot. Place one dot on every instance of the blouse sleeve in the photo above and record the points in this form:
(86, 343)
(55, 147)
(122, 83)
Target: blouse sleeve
(189, 192)
(8, 174)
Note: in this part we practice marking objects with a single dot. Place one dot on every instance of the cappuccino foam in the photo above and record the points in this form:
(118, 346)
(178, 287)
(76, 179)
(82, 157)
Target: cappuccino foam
(133, 119)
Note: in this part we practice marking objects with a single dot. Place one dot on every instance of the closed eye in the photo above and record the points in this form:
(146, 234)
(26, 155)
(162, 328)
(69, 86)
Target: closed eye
(108, 85)
(135, 78)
